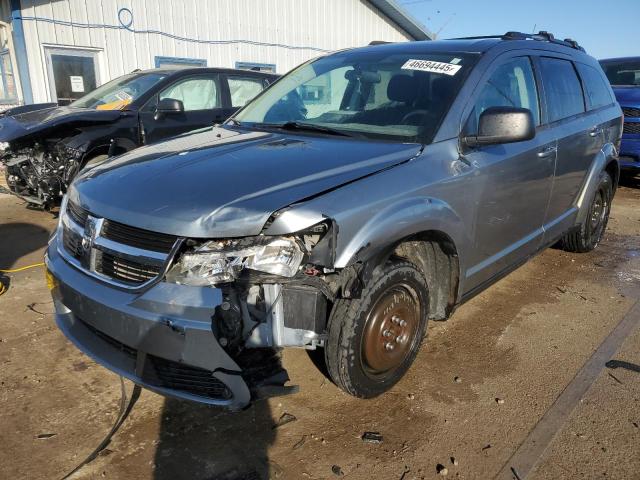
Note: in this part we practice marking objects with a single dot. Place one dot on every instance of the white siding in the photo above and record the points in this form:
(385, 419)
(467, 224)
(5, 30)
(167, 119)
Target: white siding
(325, 24)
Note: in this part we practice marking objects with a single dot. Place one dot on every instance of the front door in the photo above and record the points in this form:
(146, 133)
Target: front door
(202, 100)
(513, 180)
(72, 73)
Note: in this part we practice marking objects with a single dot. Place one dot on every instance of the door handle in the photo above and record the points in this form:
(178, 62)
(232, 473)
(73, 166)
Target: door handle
(547, 152)
(595, 131)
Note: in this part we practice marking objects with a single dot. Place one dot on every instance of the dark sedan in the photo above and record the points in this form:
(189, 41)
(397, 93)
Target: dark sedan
(44, 146)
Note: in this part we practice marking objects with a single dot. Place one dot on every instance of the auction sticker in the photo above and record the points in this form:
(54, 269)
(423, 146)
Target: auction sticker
(431, 66)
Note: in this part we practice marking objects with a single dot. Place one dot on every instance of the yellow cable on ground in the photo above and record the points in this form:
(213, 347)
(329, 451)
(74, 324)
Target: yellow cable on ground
(15, 270)
(3, 288)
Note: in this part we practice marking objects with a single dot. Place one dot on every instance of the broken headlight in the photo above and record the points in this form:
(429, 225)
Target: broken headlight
(221, 261)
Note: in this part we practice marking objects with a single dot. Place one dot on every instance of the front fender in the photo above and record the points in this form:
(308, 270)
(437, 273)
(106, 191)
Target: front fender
(607, 154)
(397, 221)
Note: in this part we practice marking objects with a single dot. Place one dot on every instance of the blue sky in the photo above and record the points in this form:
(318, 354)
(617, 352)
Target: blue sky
(608, 28)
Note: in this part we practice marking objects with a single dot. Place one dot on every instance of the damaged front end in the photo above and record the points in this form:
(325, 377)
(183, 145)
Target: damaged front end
(41, 172)
(203, 320)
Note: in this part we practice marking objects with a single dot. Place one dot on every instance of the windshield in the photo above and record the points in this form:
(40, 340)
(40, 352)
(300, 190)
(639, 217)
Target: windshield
(376, 94)
(118, 93)
(623, 72)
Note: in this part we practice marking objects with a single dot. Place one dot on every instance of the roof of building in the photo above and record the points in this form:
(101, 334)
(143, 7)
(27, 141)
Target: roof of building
(403, 19)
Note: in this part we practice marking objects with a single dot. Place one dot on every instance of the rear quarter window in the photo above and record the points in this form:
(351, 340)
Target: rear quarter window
(596, 88)
(562, 88)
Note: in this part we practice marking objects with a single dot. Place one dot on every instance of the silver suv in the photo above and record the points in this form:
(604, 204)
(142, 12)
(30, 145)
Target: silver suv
(359, 196)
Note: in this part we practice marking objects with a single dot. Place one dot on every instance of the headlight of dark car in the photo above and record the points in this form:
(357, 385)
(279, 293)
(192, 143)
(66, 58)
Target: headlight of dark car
(221, 261)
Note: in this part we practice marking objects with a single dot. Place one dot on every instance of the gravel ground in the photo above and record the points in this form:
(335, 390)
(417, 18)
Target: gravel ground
(481, 383)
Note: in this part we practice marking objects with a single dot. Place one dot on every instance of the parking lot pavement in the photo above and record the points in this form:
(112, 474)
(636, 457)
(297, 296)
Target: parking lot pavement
(485, 384)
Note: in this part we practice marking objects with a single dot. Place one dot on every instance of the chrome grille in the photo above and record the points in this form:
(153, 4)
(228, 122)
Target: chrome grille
(631, 112)
(631, 127)
(119, 254)
(124, 270)
(72, 243)
(136, 237)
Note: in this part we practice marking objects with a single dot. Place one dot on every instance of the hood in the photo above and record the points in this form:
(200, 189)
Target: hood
(23, 126)
(226, 183)
(627, 96)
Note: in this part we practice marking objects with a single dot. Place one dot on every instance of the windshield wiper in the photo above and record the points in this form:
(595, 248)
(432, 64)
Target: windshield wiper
(305, 127)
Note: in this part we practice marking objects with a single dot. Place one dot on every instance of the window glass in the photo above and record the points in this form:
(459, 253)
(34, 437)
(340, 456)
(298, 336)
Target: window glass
(387, 94)
(622, 72)
(562, 88)
(597, 90)
(7, 85)
(511, 85)
(119, 93)
(199, 93)
(243, 89)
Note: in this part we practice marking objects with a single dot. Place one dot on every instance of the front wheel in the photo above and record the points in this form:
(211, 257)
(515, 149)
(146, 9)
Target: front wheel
(373, 340)
(588, 235)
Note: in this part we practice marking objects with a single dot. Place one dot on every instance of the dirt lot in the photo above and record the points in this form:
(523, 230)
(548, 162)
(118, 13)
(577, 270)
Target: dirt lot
(502, 377)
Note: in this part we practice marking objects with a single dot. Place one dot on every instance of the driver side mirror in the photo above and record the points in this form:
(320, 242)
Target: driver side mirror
(503, 125)
(168, 106)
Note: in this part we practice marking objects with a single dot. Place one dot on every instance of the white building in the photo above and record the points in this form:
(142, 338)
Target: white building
(43, 43)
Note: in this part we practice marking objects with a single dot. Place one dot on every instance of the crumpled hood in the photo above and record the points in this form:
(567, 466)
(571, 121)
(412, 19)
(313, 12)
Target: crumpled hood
(38, 122)
(226, 183)
(627, 96)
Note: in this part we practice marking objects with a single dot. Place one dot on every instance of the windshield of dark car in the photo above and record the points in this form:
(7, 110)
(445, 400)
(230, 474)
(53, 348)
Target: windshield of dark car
(623, 72)
(119, 93)
(399, 96)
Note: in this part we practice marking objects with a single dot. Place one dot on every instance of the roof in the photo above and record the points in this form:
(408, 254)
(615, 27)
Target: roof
(620, 59)
(403, 19)
(188, 70)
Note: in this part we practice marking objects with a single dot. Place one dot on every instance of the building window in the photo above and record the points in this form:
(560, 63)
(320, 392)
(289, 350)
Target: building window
(179, 62)
(8, 92)
(256, 67)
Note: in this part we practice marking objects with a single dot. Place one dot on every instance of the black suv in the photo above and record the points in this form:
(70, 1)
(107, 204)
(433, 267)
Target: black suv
(43, 146)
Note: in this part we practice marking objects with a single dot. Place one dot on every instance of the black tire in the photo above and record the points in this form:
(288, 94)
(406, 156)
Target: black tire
(357, 352)
(588, 235)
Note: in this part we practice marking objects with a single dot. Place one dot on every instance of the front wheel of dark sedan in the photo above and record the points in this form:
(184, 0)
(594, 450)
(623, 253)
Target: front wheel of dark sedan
(373, 340)
(591, 230)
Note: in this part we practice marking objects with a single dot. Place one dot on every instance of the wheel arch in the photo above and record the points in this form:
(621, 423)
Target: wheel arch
(427, 233)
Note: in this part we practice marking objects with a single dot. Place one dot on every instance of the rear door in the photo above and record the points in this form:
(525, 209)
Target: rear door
(242, 89)
(513, 180)
(201, 96)
(579, 136)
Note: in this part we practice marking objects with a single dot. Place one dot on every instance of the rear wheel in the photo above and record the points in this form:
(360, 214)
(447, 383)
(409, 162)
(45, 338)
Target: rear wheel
(373, 340)
(588, 235)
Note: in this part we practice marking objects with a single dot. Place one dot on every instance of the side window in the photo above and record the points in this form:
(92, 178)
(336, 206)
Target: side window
(597, 90)
(196, 93)
(243, 89)
(511, 85)
(563, 91)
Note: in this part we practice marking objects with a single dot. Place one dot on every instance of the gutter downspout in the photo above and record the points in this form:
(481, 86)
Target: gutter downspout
(20, 47)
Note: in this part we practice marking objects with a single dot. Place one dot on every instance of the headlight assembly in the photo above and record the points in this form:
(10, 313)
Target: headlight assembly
(221, 261)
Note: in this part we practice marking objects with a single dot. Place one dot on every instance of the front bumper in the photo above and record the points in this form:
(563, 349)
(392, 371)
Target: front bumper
(630, 152)
(161, 339)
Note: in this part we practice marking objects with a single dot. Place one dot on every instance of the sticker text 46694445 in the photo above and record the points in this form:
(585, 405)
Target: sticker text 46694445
(430, 66)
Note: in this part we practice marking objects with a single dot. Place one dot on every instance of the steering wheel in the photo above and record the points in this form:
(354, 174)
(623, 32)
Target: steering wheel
(415, 113)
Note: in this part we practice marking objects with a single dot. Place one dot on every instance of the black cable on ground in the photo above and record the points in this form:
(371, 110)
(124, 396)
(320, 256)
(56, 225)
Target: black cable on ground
(125, 409)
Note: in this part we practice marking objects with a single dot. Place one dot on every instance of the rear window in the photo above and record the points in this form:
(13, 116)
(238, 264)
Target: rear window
(562, 88)
(596, 89)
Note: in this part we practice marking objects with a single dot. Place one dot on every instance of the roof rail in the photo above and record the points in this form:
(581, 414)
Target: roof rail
(542, 36)
(378, 42)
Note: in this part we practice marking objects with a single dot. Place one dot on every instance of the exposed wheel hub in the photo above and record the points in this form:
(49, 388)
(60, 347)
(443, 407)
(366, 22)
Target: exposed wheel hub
(390, 331)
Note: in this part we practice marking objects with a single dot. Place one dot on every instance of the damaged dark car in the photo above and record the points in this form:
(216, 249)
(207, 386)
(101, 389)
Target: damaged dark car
(44, 146)
(360, 196)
